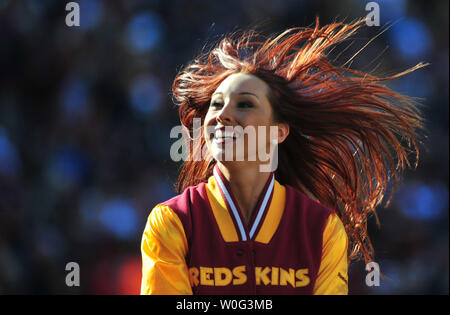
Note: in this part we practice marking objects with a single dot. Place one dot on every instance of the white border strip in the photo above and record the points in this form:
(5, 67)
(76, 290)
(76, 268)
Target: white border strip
(263, 207)
(233, 207)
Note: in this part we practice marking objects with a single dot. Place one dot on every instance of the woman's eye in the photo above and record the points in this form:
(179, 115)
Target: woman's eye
(245, 104)
(216, 104)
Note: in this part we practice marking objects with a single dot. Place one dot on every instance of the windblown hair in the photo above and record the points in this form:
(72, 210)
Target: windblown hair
(350, 136)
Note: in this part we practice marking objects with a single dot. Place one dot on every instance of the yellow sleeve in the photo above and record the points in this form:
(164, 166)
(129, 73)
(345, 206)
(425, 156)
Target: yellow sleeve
(164, 247)
(333, 272)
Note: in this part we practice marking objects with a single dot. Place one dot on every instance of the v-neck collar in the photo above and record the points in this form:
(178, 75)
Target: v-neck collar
(262, 206)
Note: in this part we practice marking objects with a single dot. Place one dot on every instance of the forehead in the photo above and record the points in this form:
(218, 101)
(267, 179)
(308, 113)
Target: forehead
(243, 82)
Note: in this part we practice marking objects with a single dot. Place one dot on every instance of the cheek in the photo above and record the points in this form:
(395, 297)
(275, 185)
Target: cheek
(267, 134)
(251, 120)
(208, 118)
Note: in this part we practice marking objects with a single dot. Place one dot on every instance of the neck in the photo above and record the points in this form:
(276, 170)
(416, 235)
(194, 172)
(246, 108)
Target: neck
(246, 182)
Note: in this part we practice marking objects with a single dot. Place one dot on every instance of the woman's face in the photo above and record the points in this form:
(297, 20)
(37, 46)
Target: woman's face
(238, 107)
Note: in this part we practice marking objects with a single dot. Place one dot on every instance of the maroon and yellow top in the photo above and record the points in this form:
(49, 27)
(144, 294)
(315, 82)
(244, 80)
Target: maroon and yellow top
(198, 243)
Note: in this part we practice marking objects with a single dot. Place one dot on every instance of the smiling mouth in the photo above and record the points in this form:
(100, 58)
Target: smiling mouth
(221, 136)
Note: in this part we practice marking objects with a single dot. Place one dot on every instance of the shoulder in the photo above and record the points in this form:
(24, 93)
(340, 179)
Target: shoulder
(180, 207)
(162, 218)
(182, 201)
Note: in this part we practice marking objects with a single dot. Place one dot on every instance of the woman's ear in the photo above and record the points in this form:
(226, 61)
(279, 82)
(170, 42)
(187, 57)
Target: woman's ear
(283, 132)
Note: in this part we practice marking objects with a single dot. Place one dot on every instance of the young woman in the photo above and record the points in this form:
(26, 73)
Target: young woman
(332, 138)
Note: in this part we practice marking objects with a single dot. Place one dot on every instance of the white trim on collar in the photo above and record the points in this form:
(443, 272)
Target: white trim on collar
(235, 211)
(263, 207)
(231, 203)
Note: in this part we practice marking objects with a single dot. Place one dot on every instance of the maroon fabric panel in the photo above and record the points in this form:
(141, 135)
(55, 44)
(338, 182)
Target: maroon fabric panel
(298, 241)
(181, 205)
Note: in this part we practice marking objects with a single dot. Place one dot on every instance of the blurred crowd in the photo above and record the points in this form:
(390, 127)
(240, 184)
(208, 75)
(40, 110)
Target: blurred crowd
(85, 120)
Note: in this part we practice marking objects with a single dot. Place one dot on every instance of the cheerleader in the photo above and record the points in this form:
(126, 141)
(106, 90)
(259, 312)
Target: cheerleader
(332, 139)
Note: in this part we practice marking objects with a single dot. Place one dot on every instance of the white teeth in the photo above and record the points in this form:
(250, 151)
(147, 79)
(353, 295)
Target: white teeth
(226, 134)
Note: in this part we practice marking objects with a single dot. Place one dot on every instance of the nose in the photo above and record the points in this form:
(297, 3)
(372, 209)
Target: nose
(225, 116)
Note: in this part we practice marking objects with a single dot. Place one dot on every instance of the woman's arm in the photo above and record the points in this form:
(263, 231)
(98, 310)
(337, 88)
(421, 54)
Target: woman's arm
(164, 247)
(333, 277)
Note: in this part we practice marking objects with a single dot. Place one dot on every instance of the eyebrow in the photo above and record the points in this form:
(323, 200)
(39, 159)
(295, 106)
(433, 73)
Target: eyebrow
(242, 93)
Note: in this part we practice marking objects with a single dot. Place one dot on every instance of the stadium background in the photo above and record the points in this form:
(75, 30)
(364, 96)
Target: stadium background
(85, 116)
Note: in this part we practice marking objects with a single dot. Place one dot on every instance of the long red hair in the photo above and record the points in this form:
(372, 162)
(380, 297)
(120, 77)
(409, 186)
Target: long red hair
(350, 136)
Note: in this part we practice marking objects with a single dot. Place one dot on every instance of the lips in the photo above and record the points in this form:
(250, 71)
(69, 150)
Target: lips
(223, 135)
